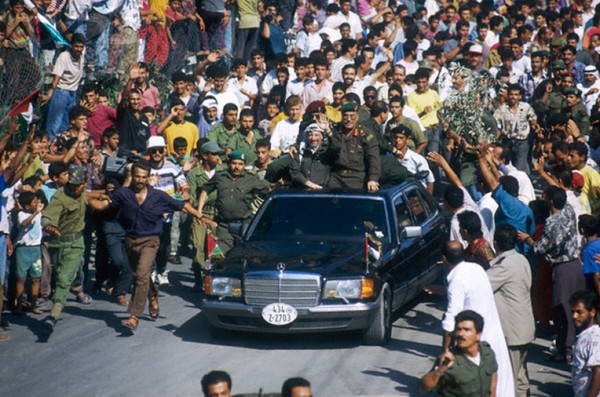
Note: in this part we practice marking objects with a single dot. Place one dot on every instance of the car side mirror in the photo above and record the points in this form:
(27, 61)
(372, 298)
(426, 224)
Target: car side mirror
(412, 231)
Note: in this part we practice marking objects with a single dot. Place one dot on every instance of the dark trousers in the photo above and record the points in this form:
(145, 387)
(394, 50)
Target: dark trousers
(214, 37)
(142, 253)
(96, 24)
(567, 278)
(120, 270)
(519, 154)
(246, 41)
(347, 180)
(164, 248)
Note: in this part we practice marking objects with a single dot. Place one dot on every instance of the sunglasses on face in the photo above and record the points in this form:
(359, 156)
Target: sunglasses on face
(370, 96)
(157, 150)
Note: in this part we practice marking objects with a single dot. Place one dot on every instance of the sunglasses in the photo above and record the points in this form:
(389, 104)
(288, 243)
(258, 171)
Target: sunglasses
(370, 96)
(157, 150)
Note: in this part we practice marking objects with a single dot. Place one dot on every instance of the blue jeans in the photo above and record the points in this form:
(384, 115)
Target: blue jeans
(102, 48)
(58, 111)
(519, 154)
(3, 258)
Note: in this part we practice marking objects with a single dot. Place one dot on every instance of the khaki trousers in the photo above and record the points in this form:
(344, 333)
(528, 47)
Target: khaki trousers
(142, 253)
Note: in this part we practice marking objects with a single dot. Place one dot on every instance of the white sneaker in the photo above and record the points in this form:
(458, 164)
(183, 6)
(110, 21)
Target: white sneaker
(162, 279)
(153, 277)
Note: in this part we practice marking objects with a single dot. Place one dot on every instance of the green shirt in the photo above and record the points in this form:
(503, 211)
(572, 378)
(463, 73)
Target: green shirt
(196, 179)
(465, 379)
(417, 137)
(235, 196)
(221, 135)
(65, 213)
(238, 141)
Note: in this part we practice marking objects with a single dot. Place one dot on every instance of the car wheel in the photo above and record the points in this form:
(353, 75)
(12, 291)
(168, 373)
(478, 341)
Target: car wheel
(380, 330)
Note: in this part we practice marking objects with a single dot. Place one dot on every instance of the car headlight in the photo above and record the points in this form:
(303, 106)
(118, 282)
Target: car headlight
(348, 289)
(223, 286)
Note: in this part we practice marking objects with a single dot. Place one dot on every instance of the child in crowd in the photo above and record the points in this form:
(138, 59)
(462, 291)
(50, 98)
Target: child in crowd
(27, 249)
(150, 113)
(271, 110)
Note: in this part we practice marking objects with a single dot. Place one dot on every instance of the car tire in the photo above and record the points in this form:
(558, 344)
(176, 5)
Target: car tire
(380, 330)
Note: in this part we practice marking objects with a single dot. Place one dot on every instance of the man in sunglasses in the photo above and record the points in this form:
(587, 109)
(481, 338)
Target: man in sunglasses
(169, 178)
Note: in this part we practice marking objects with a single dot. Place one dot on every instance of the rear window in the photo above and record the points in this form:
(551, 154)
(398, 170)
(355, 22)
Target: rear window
(321, 218)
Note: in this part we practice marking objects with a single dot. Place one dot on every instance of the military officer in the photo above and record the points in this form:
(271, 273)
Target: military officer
(236, 189)
(358, 164)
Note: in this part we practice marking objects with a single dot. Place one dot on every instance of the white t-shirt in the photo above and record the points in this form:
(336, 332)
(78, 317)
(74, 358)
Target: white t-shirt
(414, 163)
(70, 71)
(284, 135)
(227, 96)
(31, 234)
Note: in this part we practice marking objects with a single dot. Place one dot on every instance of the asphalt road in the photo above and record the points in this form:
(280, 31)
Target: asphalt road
(89, 355)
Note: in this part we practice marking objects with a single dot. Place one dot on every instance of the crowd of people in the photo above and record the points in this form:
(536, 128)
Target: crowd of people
(160, 126)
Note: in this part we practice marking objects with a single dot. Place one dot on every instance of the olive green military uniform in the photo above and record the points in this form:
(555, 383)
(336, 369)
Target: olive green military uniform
(580, 117)
(417, 137)
(465, 379)
(67, 215)
(220, 135)
(239, 141)
(357, 160)
(556, 102)
(234, 202)
(196, 179)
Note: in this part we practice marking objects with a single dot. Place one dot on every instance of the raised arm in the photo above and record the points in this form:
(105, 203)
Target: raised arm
(486, 172)
(438, 159)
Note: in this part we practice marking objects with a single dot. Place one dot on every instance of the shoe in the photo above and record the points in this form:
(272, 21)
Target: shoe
(153, 277)
(4, 337)
(110, 287)
(4, 324)
(41, 301)
(35, 310)
(162, 279)
(84, 299)
(175, 259)
(197, 288)
(153, 307)
(131, 323)
(49, 324)
(122, 300)
(17, 308)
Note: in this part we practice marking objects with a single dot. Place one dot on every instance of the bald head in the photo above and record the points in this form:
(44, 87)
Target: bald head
(453, 253)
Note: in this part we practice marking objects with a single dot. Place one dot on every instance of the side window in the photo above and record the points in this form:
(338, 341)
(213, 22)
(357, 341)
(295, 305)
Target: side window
(418, 206)
(402, 213)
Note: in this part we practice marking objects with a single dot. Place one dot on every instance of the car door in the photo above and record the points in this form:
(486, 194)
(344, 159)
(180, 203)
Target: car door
(407, 257)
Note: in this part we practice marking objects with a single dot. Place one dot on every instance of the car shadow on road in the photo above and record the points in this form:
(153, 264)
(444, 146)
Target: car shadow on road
(408, 385)
(198, 330)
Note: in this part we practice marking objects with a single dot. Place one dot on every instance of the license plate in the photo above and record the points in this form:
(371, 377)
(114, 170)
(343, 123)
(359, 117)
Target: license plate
(279, 314)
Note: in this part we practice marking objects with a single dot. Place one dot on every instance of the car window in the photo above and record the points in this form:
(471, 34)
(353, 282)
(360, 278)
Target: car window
(403, 216)
(417, 206)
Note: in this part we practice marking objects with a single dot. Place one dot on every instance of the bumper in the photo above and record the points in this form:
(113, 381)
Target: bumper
(336, 317)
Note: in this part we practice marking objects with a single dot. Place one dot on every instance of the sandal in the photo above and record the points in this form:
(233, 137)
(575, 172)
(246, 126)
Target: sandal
(84, 299)
(153, 307)
(131, 323)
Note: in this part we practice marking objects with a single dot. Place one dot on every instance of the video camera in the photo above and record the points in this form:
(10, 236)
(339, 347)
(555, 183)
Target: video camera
(117, 166)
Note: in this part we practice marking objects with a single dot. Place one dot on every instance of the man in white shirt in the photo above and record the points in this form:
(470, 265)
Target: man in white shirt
(349, 51)
(351, 18)
(526, 190)
(296, 86)
(219, 89)
(286, 131)
(412, 161)
(469, 289)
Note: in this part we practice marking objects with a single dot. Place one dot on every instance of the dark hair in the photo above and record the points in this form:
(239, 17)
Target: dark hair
(77, 38)
(409, 46)
(589, 225)
(179, 142)
(148, 109)
(568, 48)
(263, 142)
(560, 146)
(580, 148)
(110, 131)
(349, 66)
(378, 108)
(422, 73)
(352, 97)
(246, 113)
(347, 44)
(505, 237)
(291, 383)
(178, 76)
(470, 221)
(214, 377)
(26, 198)
(229, 107)
(89, 87)
(397, 99)
(176, 102)
(55, 169)
(77, 111)
(454, 196)
(142, 165)
(510, 184)
(557, 196)
(461, 24)
(588, 298)
(470, 315)
(566, 178)
(256, 52)
(454, 252)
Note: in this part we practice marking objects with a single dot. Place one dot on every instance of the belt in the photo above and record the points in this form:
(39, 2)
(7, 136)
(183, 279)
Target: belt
(67, 238)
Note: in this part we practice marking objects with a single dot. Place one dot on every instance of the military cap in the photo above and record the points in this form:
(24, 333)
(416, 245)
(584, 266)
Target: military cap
(211, 147)
(315, 107)
(238, 155)
(350, 107)
(557, 41)
(426, 64)
(573, 91)
(558, 64)
(401, 130)
(77, 174)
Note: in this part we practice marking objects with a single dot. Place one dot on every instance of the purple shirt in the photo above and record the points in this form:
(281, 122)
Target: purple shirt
(147, 219)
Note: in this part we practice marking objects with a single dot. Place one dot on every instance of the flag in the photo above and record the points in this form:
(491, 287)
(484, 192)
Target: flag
(212, 247)
(23, 106)
(56, 36)
(372, 249)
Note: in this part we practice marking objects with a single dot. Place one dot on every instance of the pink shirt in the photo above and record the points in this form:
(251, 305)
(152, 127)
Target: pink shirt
(99, 120)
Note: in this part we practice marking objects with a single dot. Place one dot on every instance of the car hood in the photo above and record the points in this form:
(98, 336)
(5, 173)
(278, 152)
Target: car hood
(317, 257)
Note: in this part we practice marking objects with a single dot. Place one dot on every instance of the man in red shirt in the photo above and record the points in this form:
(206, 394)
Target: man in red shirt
(100, 117)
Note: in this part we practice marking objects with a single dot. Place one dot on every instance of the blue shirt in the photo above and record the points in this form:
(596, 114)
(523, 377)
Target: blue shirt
(3, 186)
(513, 212)
(147, 219)
(589, 263)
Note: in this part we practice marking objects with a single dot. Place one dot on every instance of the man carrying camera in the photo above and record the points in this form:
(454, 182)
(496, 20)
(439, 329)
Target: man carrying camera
(271, 31)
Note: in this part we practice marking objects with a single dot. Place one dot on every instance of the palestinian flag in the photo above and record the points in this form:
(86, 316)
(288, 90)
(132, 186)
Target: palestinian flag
(372, 249)
(212, 247)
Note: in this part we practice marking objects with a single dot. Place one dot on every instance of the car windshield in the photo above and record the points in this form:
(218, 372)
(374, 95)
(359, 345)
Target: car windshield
(321, 218)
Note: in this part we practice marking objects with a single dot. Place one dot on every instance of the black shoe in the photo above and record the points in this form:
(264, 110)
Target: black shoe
(197, 288)
(4, 324)
(48, 325)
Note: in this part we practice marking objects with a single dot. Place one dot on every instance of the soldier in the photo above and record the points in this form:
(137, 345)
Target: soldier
(358, 164)
(63, 219)
(236, 190)
(209, 165)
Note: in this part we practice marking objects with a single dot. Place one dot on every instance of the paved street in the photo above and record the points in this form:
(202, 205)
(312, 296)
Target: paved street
(88, 355)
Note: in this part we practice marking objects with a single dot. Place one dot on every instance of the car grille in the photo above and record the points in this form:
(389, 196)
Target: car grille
(298, 290)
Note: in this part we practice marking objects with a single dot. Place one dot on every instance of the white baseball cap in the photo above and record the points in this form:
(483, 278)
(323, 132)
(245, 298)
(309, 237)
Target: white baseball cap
(476, 49)
(156, 141)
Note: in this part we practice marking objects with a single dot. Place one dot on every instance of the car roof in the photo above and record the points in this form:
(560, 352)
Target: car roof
(386, 191)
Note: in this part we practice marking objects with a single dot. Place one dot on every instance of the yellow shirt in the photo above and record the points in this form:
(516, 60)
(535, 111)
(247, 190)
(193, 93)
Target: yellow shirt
(186, 130)
(592, 180)
(333, 114)
(420, 101)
